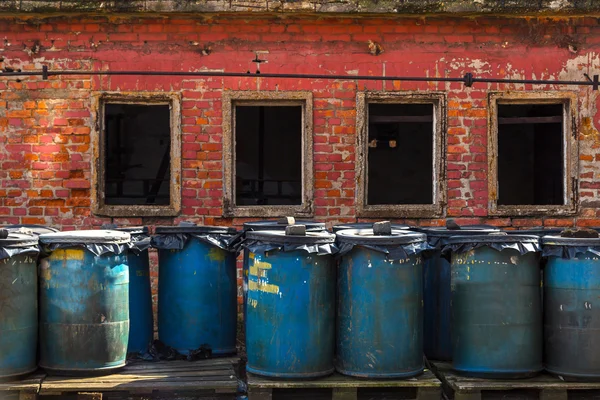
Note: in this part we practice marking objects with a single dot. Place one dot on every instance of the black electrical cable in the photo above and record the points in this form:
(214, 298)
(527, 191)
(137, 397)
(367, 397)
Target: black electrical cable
(468, 79)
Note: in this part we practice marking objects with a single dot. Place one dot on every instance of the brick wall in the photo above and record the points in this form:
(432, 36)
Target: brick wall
(45, 126)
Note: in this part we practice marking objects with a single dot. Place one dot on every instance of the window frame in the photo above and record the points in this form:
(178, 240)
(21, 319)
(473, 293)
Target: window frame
(570, 149)
(231, 99)
(99, 206)
(439, 101)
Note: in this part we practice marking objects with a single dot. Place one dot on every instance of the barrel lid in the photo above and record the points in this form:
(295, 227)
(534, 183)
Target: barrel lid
(19, 240)
(276, 225)
(280, 237)
(552, 240)
(133, 230)
(495, 237)
(101, 236)
(535, 231)
(466, 230)
(30, 229)
(367, 236)
(366, 225)
(197, 229)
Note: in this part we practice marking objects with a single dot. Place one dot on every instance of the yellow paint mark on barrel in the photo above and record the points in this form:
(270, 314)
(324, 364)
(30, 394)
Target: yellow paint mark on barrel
(216, 254)
(255, 286)
(262, 264)
(68, 254)
(251, 255)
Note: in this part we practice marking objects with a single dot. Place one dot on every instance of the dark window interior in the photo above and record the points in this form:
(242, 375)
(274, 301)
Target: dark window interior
(137, 154)
(530, 154)
(400, 169)
(268, 155)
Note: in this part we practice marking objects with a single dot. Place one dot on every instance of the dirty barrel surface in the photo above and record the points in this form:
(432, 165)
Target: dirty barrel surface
(379, 306)
(571, 306)
(141, 322)
(271, 225)
(197, 289)
(437, 342)
(84, 302)
(496, 305)
(18, 304)
(290, 328)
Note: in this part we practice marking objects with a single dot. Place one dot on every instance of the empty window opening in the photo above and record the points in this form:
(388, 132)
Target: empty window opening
(137, 154)
(268, 155)
(531, 166)
(400, 158)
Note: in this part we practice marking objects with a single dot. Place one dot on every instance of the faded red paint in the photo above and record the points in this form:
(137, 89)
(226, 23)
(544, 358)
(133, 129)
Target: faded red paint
(45, 126)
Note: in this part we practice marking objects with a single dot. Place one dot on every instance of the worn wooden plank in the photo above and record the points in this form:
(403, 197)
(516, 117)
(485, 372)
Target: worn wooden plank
(204, 375)
(28, 384)
(260, 394)
(467, 395)
(542, 382)
(553, 394)
(28, 396)
(427, 393)
(140, 364)
(146, 377)
(427, 379)
(89, 396)
(345, 393)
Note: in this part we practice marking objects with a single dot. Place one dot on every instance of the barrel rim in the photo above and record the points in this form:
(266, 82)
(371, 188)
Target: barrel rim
(367, 225)
(279, 237)
(493, 239)
(443, 232)
(197, 229)
(551, 240)
(133, 230)
(100, 236)
(366, 236)
(15, 240)
(271, 225)
(31, 227)
(531, 231)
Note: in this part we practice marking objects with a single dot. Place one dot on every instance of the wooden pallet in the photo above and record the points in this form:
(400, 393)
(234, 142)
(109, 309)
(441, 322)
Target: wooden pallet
(205, 379)
(542, 387)
(24, 389)
(340, 387)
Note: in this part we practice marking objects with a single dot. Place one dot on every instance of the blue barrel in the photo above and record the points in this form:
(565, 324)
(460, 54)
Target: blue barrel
(496, 305)
(291, 304)
(571, 307)
(141, 321)
(197, 289)
(365, 225)
(270, 225)
(18, 304)
(84, 302)
(437, 343)
(379, 306)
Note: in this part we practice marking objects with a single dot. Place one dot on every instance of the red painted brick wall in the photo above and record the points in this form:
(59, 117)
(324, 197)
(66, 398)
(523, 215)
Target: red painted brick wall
(45, 154)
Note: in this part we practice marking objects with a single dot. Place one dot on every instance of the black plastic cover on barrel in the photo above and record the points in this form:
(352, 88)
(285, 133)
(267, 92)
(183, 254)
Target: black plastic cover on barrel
(498, 241)
(175, 237)
(569, 247)
(140, 238)
(276, 225)
(366, 225)
(398, 245)
(436, 236)
(320, 243)
(17, 243)
(98, 242)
